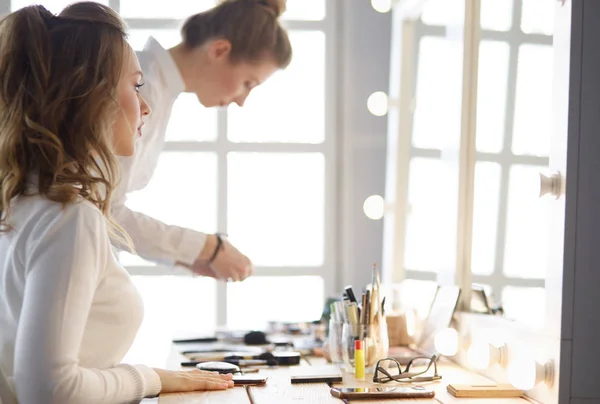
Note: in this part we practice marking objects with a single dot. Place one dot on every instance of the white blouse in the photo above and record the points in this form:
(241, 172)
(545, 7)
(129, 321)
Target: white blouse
(68, 311)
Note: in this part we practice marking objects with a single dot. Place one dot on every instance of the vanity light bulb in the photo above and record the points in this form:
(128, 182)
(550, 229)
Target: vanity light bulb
(525, 373)
(382, 6)
(377, 103)
(446, 341)
(374, 207)
(522, 373)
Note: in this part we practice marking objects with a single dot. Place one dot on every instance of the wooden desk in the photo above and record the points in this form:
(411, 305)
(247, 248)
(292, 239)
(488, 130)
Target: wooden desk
(279, 390)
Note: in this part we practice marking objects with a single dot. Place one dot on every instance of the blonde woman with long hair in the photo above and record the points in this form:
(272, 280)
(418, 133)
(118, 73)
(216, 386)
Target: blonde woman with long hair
(69, 104)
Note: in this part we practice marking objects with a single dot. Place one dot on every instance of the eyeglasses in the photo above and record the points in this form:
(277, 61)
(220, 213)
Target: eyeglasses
(389, 369)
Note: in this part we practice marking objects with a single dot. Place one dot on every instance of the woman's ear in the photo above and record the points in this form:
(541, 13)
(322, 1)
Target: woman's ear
(218, 50)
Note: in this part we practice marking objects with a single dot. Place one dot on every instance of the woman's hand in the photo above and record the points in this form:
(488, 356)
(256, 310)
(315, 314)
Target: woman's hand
(192, 380)
(229, 263)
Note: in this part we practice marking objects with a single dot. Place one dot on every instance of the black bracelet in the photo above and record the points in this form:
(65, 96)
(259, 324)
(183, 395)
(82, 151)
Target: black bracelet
(217, 248)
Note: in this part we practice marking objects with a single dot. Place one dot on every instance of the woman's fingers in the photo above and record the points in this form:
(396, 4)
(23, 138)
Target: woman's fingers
(211, 380)
(226, 376)
(212, 384)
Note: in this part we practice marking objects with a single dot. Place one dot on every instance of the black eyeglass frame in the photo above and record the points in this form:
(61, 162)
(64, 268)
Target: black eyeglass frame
(406, 376)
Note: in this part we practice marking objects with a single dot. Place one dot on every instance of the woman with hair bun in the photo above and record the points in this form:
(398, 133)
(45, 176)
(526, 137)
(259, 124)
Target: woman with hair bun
(225, 52)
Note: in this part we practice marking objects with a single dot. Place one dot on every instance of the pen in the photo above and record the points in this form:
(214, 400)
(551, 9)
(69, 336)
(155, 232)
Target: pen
(239, 362)
(199, 340)
(363, 312)
(367, 313)
(250, 396)
(350, 294)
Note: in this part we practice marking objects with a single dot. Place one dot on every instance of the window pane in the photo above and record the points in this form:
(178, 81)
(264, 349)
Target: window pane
(173, 306)
(496, 15)
(485, 217)
(437, 12)
(491, 95)
(296, 9)
(526, 245)
(276, 204)
(538, 17)
(163, 9)
(304, 10)
(290, 106)
(54, 6)
(430, 220)
(438, 94)
(533, 103)
(525, 305)
(166, 37)
(190, 121)
(256, 301)
(183, 192)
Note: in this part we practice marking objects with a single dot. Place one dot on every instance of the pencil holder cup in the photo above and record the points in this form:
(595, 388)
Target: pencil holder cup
(375, 343)
(335, 341)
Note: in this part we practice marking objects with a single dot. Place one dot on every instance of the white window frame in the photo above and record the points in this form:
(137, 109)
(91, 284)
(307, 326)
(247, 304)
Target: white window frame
(408, 29)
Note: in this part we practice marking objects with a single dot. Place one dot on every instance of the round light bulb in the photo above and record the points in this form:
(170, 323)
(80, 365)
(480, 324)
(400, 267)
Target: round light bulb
(479, 354)
(377, 103)
(374, 207)
(524, 373)
(446, 341)
(382, 6)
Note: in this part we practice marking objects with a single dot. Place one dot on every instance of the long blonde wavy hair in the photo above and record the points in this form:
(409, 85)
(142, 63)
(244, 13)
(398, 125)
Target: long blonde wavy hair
(58, 82)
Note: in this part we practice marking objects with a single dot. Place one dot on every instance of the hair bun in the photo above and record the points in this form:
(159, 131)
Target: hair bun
(276, 6)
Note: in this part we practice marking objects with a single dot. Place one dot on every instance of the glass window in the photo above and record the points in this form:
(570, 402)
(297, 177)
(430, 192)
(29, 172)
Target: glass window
(190, 121)
(496, 15)
(485, 217)
(491, 95)
(54, 6)
(430, 219)
(275, 212)
(163, 9)
(304, 10)
(537, 17)
(439, 93)
(290, 107)
(183, 192)
(442, 12)
(166, 37)
(533, 103)
(296, 9)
